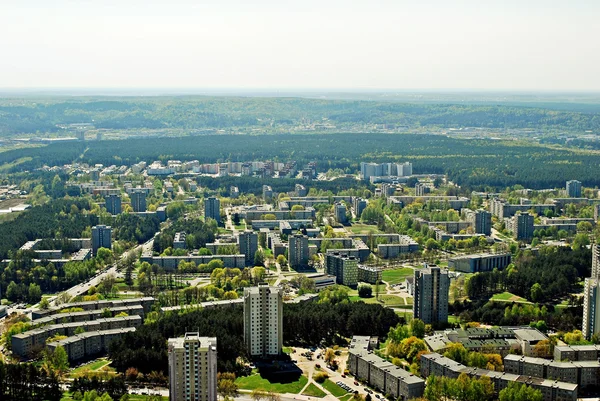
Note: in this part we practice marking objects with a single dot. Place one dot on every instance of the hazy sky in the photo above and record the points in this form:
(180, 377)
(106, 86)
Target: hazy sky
(355, 44)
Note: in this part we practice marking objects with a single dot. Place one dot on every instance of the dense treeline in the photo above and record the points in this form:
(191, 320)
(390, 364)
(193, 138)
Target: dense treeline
(57, 219)
(25, 382)
(516, 314)
(317, 322)
(198, 234)
(470, 163)
(309, 323)
(133, 228)
(24, 280)
(548, 276)
(196, 113)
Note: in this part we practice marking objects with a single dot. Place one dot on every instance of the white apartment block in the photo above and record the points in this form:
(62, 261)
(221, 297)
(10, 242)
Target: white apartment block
(192, 368)
(263, 320)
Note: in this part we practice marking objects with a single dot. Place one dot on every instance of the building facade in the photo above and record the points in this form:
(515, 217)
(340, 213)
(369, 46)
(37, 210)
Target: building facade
(481, 221)
(248, 244)
(573, 189)
(298, 254)
(431, 294)
(522, 226)
(343, 267)
(138, 200)
(113, 204)
(263, 320)
(212, 209)
(101, 238)
(192, 368)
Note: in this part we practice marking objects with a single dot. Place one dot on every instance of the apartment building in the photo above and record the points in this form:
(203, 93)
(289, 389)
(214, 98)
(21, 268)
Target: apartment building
(192, 368)
(431, 294)
(381, 374)
(101, 238)
(248, 245)
(212, 209)
(263, 320)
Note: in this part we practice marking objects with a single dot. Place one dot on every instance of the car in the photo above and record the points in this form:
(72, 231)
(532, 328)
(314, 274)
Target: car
(344, 376)
(356, 383)
(377, 396)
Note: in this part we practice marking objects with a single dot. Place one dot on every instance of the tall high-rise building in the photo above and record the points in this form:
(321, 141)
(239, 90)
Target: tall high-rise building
(522, 226)
(113, 204)
(574, 189)
(481, 220)
(596, 261)
(101, 238)
(138, 200)
(192, 368)
(248, 243)
(263, 320)
(267, 193)
(359, 204)
(404, 169)
(340, 212)
(431, 287)
(591, 307)
(212, 209)
(298, 251)
(343, 267)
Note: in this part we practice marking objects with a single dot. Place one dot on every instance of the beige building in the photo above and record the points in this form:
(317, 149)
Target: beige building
(263, 320)
(192, 368)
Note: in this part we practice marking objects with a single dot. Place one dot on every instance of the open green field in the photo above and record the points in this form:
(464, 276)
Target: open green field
(387, 300)
(313, 391)
(98, 366)
(358, 228)
(333, 388)
(507, 297)
(255, 381)
(397, 276)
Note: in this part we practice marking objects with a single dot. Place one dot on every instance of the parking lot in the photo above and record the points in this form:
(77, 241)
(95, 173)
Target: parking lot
(310, 359)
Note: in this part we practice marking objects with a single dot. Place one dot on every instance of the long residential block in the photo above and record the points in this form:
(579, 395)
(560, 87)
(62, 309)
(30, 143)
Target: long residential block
(145, 302)
(381, 374)
(89, 344)
(25, 343)
(552, 390)
(583, 373)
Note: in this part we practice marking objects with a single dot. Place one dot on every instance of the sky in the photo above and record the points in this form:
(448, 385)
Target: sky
(538, 45)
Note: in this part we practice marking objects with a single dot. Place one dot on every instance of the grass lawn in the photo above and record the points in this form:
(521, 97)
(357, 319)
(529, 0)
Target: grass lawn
(452, 319)
(387, 300)
(314, 391)
(333, 388)
(138, 397)
(255, 381)
(358, 228)
(397, 276)
(99, 367)
(508, 297)
(346, 397)
(287, 350)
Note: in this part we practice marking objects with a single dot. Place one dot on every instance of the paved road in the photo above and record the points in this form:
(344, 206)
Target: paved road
(82, 288)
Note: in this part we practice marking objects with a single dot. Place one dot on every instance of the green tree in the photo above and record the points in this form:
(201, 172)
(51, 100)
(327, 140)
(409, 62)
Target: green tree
(34, 293)
(259, 258)
(519, 392)
(417, 328)
(365, 291)
(536, 293)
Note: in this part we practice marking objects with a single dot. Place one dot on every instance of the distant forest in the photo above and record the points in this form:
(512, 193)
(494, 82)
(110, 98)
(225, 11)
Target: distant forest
(470, 163)
(39, 115)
